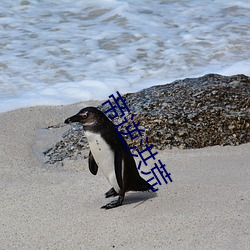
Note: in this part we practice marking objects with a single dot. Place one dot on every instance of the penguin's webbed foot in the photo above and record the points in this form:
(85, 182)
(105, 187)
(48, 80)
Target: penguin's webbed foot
(111, 193)
(113, 204)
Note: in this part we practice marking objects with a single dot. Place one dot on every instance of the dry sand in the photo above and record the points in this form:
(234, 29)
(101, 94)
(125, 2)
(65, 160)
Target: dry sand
(58, 207)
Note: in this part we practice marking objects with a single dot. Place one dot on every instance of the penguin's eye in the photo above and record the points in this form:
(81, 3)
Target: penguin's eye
(84, 115)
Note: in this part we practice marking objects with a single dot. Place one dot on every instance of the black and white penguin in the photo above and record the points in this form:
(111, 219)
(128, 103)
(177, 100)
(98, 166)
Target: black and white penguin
(108, 153)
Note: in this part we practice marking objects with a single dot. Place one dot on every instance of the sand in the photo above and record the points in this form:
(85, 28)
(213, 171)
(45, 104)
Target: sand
(58, 206)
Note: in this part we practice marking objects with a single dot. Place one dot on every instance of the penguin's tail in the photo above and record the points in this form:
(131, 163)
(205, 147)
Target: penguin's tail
(141, 185)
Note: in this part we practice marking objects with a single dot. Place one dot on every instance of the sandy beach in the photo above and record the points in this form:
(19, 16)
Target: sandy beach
(45, 206)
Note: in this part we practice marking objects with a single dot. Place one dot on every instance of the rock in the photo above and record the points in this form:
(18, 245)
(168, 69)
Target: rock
(190, 113)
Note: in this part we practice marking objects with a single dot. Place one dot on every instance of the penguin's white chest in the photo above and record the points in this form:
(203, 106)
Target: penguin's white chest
(104, 157)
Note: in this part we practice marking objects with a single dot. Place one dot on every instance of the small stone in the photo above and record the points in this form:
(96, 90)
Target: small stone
(182, 132)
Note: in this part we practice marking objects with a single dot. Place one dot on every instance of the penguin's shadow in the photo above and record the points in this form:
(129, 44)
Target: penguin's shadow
(138, 198)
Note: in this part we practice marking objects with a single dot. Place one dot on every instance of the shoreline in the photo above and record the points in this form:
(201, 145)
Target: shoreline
(58, 207)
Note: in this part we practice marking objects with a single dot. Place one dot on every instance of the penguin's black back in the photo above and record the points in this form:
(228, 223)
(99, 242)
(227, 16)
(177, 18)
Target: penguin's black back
(132, 181)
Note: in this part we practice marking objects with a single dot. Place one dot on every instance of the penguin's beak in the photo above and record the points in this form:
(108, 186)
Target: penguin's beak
(74, 118)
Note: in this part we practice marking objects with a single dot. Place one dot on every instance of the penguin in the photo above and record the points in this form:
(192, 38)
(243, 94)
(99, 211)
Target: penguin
(108, 153)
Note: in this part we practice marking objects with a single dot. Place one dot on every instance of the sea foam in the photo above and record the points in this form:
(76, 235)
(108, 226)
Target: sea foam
(63, 52)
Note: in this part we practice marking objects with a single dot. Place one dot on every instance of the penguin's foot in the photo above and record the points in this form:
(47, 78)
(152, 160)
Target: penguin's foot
(113, 204)
(111, 193)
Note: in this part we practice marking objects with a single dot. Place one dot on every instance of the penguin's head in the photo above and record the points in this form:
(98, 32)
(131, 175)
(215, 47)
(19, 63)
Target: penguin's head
(88, 117)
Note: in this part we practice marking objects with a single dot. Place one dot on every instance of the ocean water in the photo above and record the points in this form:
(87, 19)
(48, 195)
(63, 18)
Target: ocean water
(61, 52)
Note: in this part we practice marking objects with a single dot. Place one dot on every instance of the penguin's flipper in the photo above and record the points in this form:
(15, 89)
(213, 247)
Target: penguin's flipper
(111, 193)
(118, 166)
(92, 164)
(113, 204)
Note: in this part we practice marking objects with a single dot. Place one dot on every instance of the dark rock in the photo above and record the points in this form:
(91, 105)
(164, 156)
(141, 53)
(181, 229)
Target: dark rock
(190, 113)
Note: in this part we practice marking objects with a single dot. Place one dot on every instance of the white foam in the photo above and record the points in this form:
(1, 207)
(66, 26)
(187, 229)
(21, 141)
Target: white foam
(61, 52)
(242, 67)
